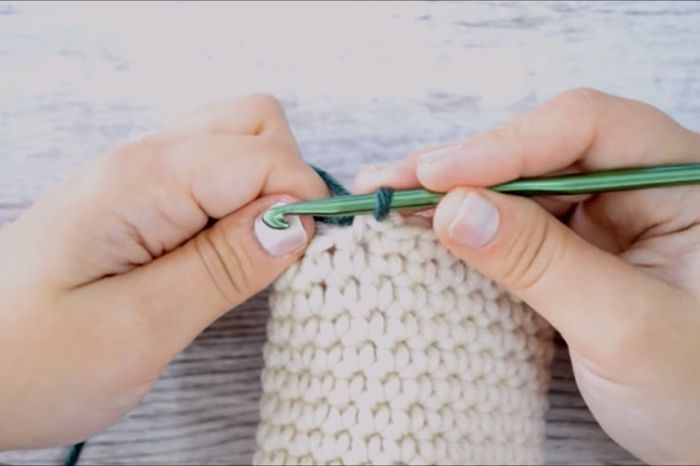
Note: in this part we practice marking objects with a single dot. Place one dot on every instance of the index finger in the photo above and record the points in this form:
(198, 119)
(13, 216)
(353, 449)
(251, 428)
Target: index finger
(579, 130)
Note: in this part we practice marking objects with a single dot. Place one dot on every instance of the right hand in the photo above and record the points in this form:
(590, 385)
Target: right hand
(618, 274)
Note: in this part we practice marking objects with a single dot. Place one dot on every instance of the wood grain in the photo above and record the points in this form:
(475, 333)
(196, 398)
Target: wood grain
(362, 83)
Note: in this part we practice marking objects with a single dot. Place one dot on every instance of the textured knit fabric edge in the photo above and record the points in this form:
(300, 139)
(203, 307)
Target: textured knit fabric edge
(384, 348)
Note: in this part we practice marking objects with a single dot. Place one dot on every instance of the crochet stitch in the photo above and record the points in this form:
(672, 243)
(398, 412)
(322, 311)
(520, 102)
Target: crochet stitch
(384, 348)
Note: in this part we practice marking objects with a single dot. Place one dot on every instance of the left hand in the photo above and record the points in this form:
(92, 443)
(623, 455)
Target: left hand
(111, 275)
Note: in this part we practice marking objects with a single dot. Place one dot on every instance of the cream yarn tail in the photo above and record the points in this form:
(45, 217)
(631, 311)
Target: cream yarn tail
(383, 348)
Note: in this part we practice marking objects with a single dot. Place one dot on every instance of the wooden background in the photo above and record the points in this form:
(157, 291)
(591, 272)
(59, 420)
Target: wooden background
(361, 83)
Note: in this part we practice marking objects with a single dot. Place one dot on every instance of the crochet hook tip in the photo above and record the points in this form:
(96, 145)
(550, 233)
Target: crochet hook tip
(274, 218)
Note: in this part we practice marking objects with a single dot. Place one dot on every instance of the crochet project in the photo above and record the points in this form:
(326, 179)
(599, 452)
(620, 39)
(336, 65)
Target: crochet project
(384, 348)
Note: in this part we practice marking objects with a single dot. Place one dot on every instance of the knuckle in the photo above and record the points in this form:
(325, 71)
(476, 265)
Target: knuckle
(511, 135)
(209, 142)
(279, 150)
(226, 264)
(283, 147)
(268, 103)
(530, 257)
(134, 160)
(580, 97)
(125, 155)
(511, 130)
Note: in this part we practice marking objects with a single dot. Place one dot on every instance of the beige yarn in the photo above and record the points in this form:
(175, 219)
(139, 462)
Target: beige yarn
(383, 348)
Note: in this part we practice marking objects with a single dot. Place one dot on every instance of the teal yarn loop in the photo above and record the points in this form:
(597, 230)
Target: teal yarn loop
(382, 200)
(336, 189)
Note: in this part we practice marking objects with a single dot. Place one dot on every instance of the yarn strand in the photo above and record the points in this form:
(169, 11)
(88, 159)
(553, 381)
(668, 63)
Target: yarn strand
(73, 455)
(382, 200)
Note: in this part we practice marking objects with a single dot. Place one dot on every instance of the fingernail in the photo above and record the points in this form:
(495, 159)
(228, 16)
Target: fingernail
(279, 243)
(429, 213)
(476, 222)
(430, 157)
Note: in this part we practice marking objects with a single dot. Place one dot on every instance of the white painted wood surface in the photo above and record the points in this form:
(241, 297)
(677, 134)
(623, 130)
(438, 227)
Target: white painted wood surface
(362, 82)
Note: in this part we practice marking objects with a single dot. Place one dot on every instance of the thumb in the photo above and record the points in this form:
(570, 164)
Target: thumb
(599, 303)
(181, 293)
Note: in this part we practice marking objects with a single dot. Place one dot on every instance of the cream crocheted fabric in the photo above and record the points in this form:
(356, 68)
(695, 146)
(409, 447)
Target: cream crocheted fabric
(383, 348)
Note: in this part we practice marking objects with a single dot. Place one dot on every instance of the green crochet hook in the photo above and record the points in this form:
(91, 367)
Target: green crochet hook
(414, 199)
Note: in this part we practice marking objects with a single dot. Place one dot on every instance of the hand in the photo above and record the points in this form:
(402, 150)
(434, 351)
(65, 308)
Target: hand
(112, 274)
(621, 281)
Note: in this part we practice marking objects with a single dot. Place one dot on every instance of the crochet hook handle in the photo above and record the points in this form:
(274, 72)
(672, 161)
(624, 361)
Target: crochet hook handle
(579, 183)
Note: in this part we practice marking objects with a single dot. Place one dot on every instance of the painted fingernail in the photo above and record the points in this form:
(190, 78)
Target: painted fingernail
(476, 222)
(438, 154)
(279, 243)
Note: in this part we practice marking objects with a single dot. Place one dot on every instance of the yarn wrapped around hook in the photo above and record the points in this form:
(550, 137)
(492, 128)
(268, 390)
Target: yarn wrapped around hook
(382, 201)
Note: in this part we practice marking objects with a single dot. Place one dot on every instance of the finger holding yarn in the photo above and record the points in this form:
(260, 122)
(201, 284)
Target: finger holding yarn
(383, 348)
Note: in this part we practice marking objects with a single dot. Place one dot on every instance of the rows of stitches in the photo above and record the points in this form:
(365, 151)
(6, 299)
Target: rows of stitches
(383, 348)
